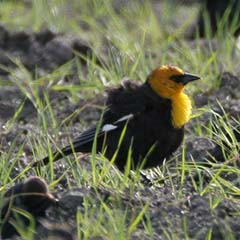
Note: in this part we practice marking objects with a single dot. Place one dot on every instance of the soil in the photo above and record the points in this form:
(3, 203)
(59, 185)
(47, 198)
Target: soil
(168, 212)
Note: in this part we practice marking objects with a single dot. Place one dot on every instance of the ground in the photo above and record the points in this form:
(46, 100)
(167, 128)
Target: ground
(52, 88)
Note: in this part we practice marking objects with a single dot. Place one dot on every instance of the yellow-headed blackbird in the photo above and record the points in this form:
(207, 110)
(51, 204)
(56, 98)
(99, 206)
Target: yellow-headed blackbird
(30, 196)
(154, 114)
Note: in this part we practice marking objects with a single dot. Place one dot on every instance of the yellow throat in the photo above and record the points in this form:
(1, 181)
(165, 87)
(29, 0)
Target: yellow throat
(181, 109)
(168, 82)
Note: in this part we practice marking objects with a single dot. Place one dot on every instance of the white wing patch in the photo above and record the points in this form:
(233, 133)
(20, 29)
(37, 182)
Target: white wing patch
(108, 127)
(124, 118)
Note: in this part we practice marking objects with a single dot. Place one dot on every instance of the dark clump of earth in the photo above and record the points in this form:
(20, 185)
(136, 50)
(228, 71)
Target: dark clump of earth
(43, 50)
(224, 11)
(188, 214)
(40, 53)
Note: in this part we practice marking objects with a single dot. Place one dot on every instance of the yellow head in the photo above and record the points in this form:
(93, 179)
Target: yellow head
(168, 81)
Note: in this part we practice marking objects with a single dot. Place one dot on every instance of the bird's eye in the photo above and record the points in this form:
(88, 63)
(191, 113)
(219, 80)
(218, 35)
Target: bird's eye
(176, 78)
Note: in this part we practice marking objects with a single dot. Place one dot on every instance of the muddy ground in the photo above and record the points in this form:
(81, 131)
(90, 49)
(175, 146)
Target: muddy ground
(43, 52)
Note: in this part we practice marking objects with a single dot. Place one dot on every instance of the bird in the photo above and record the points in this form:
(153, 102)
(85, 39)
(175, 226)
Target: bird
(145, 120)
(32, 196)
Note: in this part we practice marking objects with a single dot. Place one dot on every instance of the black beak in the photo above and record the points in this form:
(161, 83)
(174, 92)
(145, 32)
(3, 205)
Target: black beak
(185, 78)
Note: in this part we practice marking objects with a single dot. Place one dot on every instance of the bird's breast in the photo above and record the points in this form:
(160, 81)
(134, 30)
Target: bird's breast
(181, 110)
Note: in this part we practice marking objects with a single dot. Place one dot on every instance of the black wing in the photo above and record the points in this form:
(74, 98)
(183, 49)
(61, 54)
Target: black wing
(84, 142)
(89, 135)
(124, 103)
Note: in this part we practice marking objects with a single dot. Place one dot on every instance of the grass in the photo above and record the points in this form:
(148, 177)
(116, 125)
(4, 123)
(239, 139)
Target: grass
(136, 42)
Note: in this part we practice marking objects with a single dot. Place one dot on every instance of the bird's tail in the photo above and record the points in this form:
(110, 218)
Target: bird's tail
(56, 156)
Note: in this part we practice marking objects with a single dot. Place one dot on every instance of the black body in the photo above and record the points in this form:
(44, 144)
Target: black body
(149, 127)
